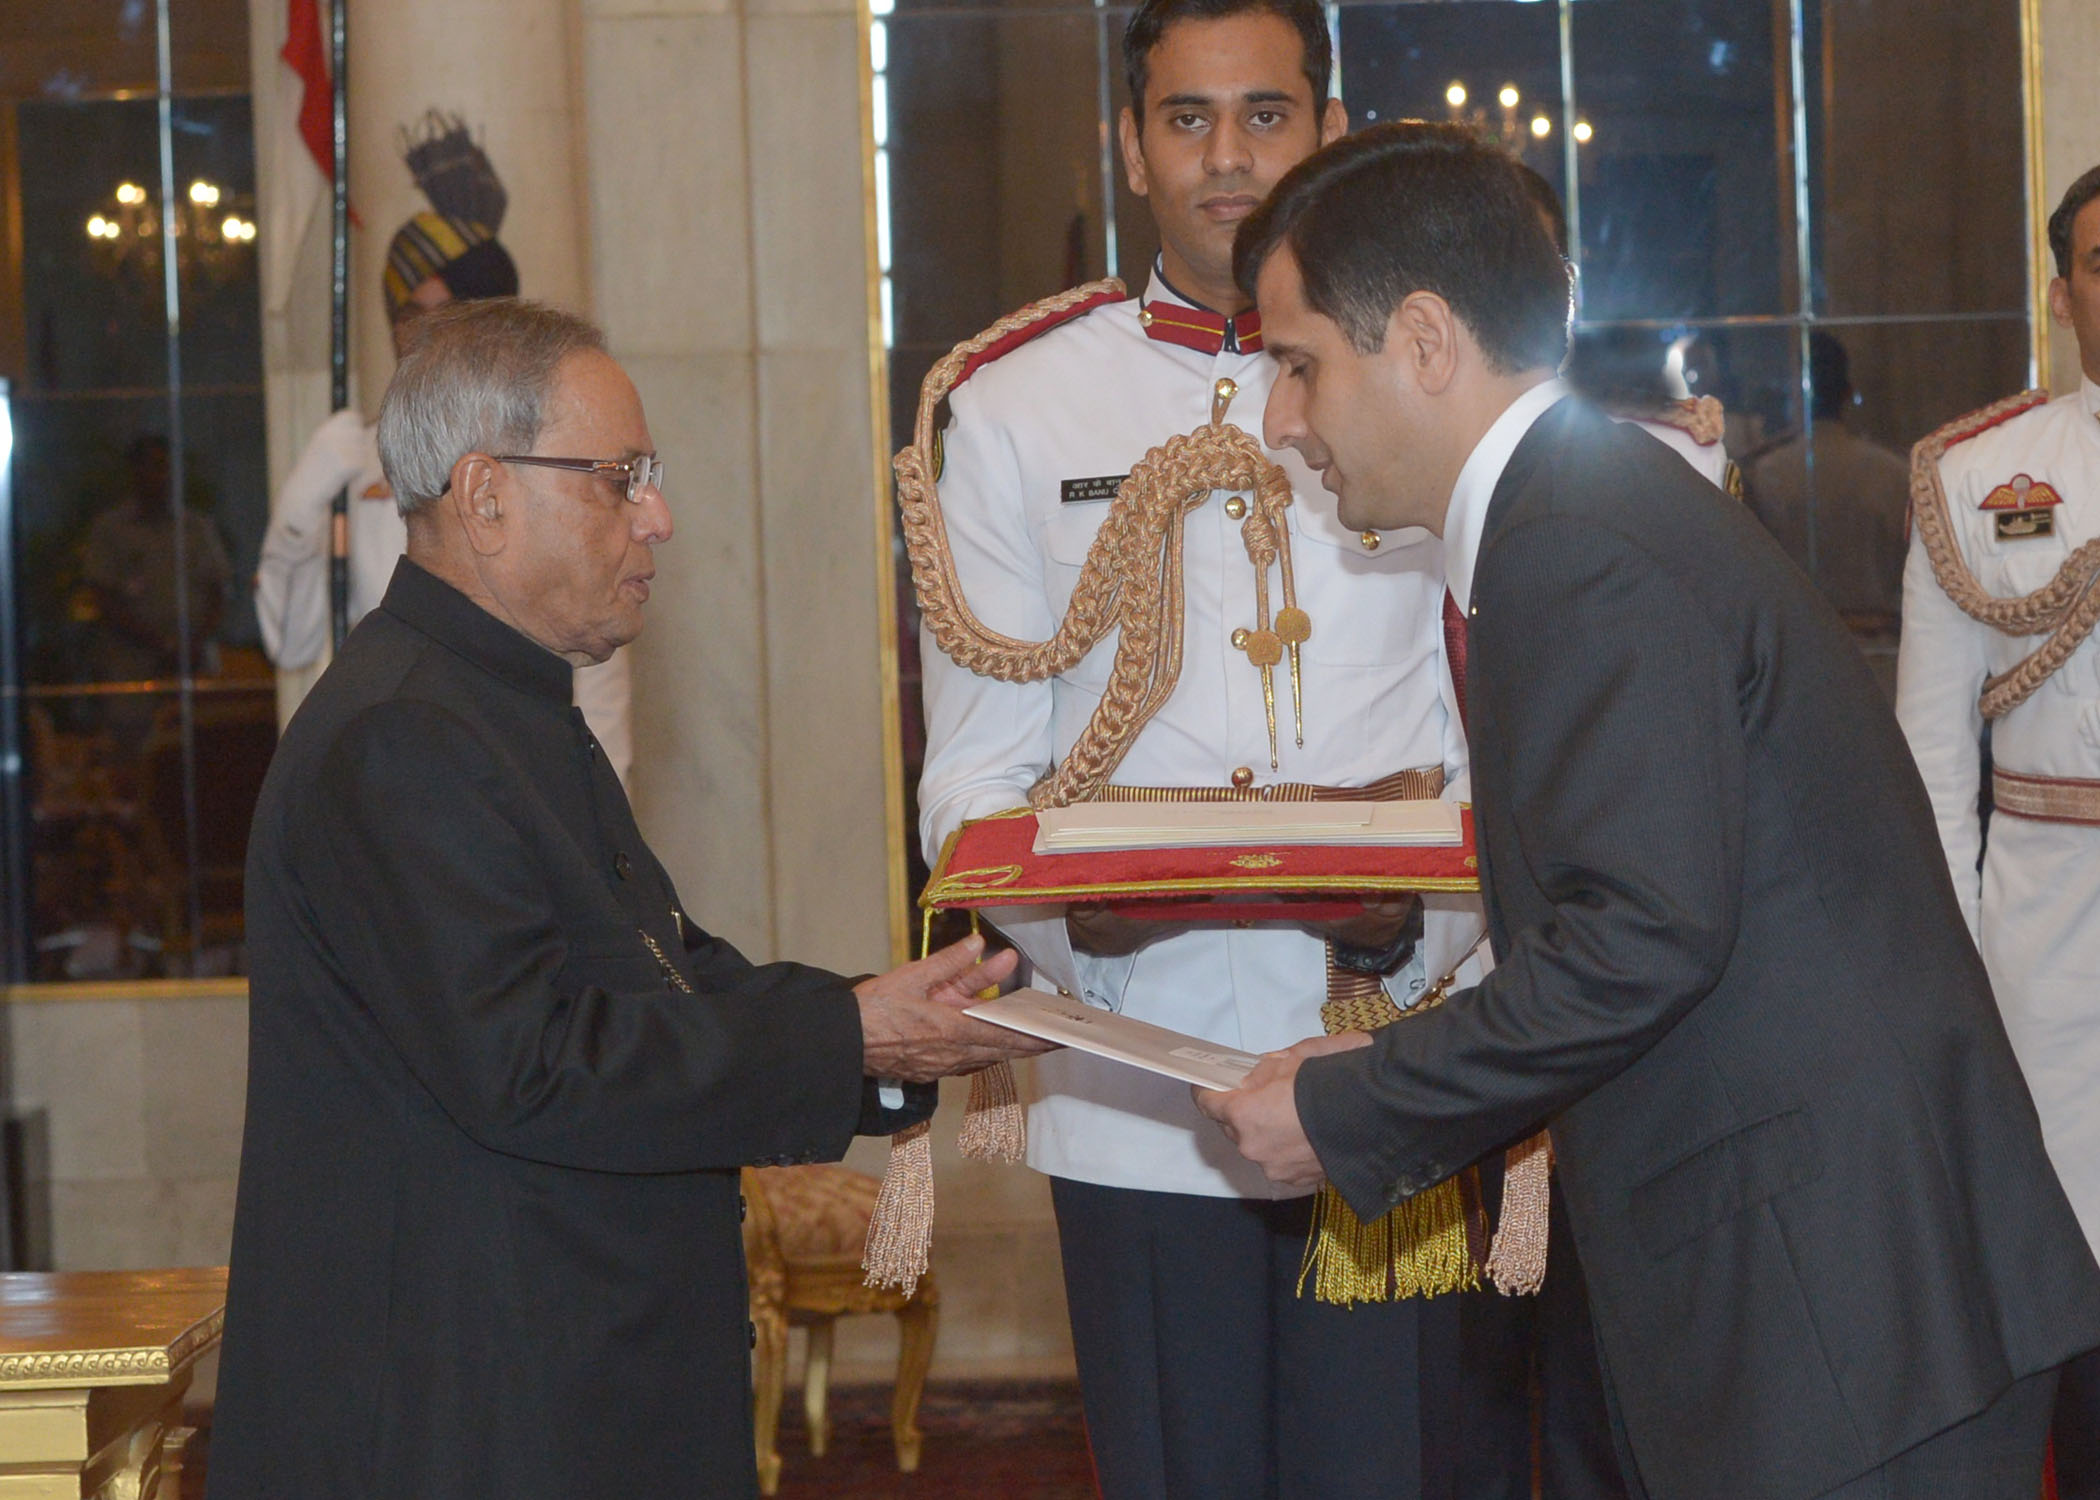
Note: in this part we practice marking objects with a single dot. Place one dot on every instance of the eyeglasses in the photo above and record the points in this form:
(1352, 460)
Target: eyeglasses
(637, 474)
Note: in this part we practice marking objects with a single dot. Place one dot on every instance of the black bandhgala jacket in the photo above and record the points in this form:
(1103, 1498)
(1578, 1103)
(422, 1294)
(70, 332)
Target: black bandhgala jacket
(499, 1085)
(1805, 1176)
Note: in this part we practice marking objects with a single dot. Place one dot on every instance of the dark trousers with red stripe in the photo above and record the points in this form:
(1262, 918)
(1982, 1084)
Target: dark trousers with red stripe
(1206, 1377)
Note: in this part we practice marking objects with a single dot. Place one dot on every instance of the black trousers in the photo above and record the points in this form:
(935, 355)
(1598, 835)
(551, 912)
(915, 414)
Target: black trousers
(1204, 1375)
(2076, 1429)
(1529, 1366)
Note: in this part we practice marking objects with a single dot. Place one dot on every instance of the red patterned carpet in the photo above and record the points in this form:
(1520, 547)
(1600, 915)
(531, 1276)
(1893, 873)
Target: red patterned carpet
(1019, 1441)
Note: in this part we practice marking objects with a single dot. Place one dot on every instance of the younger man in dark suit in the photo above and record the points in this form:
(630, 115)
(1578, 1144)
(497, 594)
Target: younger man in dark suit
(1825, 1251)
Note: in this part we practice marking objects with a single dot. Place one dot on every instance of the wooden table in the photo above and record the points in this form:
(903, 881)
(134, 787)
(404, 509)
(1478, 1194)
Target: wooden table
(93, 1368)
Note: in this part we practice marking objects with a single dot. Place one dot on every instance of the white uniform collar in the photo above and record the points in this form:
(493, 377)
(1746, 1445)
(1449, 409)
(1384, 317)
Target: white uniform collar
(2089, 395)
(1466, 518)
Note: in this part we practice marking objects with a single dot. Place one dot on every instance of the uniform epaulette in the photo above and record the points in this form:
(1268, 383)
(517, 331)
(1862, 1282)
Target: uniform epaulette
(1701, 418)
(1108, 291)
(1978, 422)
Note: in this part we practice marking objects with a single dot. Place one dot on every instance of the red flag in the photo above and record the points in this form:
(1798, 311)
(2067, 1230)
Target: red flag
(307, 55)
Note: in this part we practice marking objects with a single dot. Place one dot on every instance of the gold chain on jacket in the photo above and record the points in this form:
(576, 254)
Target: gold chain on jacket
(1133, 576)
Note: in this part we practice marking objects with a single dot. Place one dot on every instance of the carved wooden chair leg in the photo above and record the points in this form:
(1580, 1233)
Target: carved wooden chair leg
(816, 1379)
(769, 1378)
(918, 1321)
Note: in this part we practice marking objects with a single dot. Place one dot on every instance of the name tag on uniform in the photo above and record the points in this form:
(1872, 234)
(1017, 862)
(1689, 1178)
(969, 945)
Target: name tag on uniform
(2019, 525)
(1076, 491)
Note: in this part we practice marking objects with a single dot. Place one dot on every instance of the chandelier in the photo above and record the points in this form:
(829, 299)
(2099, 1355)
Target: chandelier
(214, 230)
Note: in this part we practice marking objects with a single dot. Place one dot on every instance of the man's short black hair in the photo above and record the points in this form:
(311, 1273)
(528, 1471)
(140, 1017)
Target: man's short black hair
(1417, 207)
(2084, 191)
(1153, 18)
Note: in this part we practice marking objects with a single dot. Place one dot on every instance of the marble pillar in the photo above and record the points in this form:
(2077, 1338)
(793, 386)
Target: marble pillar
(2070, 119)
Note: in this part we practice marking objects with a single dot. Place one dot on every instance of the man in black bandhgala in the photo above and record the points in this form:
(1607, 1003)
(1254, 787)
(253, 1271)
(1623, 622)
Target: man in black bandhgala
(500, 1082)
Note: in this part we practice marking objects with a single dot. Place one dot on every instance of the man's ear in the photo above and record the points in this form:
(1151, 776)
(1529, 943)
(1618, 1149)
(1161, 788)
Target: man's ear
(477, 502)
(1133, 151)
(1334, 121)
(2060, 301)
(1427, 335)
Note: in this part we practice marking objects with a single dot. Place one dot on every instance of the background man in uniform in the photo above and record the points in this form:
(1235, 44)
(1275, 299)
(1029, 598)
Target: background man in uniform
(1826, 1253)
(1204, 1373)
(2022, 493)
(431, 261)
(500, 1083)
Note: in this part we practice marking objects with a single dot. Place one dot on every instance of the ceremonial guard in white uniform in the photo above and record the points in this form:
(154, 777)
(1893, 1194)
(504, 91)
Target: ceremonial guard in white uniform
(2005, 506)
(1039, 442)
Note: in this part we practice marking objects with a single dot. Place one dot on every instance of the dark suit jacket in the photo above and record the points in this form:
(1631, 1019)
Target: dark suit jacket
(486, 1241)
(1805, 1177)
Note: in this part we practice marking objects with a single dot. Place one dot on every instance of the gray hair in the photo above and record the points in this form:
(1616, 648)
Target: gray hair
(475, 380)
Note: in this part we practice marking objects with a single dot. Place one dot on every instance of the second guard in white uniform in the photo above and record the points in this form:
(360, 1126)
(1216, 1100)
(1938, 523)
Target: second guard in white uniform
(2016, 508)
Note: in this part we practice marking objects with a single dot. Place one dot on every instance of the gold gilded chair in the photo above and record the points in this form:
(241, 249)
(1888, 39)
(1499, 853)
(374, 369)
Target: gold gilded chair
(803, 1232)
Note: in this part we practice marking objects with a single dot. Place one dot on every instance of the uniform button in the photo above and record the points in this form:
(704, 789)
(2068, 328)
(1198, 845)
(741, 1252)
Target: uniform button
(1145, 316)
(743, 1208)
(1370, 540)
(752, 1330)
(591, 748)
(623, 866)
(1236, 507)
(1239, 639)
(1243, 777)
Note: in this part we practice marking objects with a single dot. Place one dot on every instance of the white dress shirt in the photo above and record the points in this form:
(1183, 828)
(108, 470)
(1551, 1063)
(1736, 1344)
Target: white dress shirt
(1086, 401)
(1466, 518)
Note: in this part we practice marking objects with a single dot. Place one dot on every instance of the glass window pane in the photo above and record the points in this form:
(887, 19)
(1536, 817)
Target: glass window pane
(1684, 198)
(1494, 63)
(1916, 139)
(221, 291)
(995, 167)
(209, 41)
(65, 49)
(94, 313)
(226, 475)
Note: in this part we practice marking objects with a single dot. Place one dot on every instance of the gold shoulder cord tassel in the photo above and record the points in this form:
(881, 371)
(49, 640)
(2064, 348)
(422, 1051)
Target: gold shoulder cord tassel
(1436, 1241)
(994, 1128)
(1426, 1245)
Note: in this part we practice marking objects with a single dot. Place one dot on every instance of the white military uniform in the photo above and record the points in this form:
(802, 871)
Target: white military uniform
(291, 579)
(1039, 439)
(2035, 908)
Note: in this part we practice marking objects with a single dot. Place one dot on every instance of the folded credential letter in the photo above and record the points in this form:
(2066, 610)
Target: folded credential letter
(1056, 1018)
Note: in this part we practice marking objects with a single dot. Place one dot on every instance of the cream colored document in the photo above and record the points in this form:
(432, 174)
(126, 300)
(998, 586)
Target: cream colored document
(1106, 1034)
(1103, 827)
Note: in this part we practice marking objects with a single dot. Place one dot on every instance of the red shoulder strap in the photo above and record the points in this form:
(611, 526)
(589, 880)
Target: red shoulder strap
(1000, 348)
(1978, 422)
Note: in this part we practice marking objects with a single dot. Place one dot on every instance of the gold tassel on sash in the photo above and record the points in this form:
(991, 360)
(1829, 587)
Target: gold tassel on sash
(1422, 1248)
(1436, 1241)
(994, 1128)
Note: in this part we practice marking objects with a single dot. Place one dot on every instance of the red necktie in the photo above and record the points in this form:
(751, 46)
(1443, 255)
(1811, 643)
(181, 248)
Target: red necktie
(1455, 651)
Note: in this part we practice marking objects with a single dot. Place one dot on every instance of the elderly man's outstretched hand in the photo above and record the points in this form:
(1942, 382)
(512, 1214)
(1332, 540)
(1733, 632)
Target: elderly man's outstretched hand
(1261, 1115)
(911, 1019)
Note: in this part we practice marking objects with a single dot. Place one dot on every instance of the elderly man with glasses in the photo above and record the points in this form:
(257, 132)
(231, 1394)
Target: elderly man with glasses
(500, 1082)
